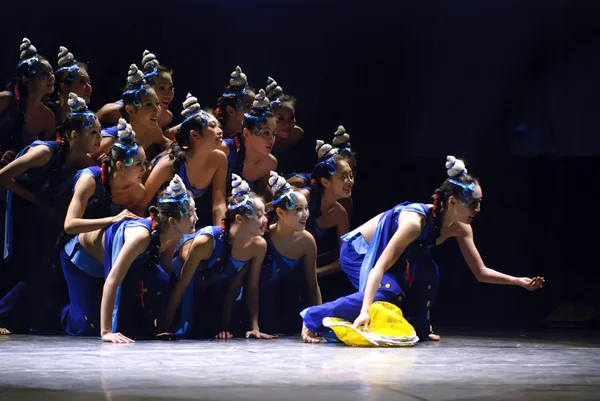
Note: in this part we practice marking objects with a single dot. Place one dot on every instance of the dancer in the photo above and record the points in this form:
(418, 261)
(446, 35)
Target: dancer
(71, 77)
(389, 257)
(234, 103)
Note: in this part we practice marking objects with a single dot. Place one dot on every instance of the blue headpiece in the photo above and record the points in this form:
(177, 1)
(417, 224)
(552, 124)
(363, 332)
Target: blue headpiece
(79, 108)
(260, 107)
(135, 84)
(176, 192)
(126, 141)
(192, 109)
(67, 62)
(238, 80)
(150, 66)
(456, 168)
(278, 183)
(240, 188)
(28, 55)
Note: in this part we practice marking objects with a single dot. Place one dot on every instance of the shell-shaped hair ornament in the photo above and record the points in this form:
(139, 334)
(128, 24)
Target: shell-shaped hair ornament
(324, 150)
(455, 167)
(341, 139)
(277, 183)
(135, 77)
(149, 61)
(273, 90)
(77, 104)
(65, 58)
(125, 132)
(27, 50)
(238, 78)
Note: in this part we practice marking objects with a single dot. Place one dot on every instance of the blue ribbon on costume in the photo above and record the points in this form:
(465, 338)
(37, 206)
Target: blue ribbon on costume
(468, 190)
(246, 201)
(149, 76)
(291, 195)
(89, 116)
(201, 114)
(238, 96)
(181, 200)
(130, 152)
(29, 61)
(330, 163)
(258, 120)
(70, 68)
(136, 94)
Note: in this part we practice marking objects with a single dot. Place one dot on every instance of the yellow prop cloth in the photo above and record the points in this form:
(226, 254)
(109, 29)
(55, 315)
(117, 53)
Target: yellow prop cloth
(388, 328)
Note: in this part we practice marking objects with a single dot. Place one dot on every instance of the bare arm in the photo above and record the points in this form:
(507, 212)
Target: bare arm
(105, 143)
(253, 283)
(409, 228)
(74, 221)
(137, 240)
(309, 261)
(109, 114)
(36, 156)
(161, 173)
(342, 227)
(219, 187)
(200, 249)
(49, 125)
(485, 274)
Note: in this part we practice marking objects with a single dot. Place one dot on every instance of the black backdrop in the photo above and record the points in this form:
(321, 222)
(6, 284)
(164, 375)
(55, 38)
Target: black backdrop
(510, 85)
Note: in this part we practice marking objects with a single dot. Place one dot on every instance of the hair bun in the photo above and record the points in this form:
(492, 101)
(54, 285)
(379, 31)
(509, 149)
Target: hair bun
(135, 77)
(190, 106)
(455, 167)
(273, 90)
(125, 132)
(239, 187)
(238, 78)
(341, 139)
(324, 150)
(77, 104)
(65, 57)
(261, 101)
(277, 182)
(149, 61)
(27, 49)
(176, 188)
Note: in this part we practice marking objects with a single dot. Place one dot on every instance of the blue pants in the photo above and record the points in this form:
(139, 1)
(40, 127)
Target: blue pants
(413, 290)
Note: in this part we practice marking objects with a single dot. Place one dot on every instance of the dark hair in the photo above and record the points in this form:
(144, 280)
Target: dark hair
(160, 214)
(256, 118)
(279, 101)
(161, 69)
(67, 76)
(24, 70)
(73, 122)
(235, 98)
(109, 163)
(445, 191)
(246, 210)
(322, 169)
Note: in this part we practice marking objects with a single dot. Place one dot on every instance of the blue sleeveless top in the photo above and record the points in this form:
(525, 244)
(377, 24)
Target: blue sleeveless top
(220, 265)
(110, 132)
(326, 240)
(99, 205)
(232, 160)
(386, 227)
(275, 266)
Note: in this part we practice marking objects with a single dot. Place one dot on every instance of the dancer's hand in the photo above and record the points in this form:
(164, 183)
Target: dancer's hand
(224, 335)
(531, 284)
(125, 214)
(116, 338)
(259, 335)
(362, 320)
(7, 157)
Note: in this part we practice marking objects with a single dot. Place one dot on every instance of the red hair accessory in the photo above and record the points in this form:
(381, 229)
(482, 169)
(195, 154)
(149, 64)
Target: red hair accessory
(237, 142)
(104, 173)
(59, 138)
(223, 227)
(436, 198)
(17, 93)
(313, 181)
(218, 112)
(153, 218)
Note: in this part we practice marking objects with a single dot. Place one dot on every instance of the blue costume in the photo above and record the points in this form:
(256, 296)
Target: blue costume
(232, 164)
(411, 283)
(202, 197)
(41, 285)
(201, 306)
(83, 274)
(282, 292)
(12, 135)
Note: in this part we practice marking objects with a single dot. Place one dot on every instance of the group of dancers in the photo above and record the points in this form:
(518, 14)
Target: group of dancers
(129, 223)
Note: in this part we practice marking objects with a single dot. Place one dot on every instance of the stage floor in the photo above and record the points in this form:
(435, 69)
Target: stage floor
(548, 366)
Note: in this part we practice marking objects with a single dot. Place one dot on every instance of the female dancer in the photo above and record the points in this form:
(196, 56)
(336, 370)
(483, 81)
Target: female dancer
(23, 116)
(141, 108)
(196, 158)
(213, 265)
(161, 79)
(389, 257)
(234, 103)
(126, 255)
(71, 77)
(289, 270)
(250, 153)
(39, 177)
(286, 149)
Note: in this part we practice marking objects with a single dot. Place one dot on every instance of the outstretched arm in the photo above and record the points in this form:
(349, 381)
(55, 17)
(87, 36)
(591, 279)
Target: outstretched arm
(137, 240)
(409, 228)
(219, 187)
(485, 274)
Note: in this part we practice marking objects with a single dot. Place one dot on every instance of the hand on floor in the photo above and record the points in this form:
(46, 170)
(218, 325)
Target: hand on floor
(116, 338)
(224, 335)
(259, 335)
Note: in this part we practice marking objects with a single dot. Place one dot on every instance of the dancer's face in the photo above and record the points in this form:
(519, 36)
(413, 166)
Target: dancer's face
(465, 213)
(286, 119)
(341, 182)
(165, 91)
(296, 217)
(89, 139)
(187, 224)
(263, 143)
(43, 81)
(81, 86)
(136, 171)
(146, 115)
(212, 132)
(256, 224)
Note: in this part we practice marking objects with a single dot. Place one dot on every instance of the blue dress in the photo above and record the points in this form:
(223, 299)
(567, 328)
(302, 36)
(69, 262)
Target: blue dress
(282, 292)
(232, 164)
(202, 197)
(411, 283)
(38, 285)
(141, 297)
(83, 274)
(201, 306)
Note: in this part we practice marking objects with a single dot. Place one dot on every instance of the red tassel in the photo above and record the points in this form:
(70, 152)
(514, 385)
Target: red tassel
(104, 173)
(17, 93)
(237, 142)
(223, 226)
(153, 218)
(141, 294)
(218, 112)
(313, 181)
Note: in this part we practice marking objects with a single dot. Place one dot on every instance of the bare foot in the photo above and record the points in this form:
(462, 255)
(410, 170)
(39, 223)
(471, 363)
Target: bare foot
(434, 337)
(308, 336)
(4, 332)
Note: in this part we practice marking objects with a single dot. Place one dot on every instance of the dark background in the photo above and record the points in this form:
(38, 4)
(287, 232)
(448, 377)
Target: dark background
(511, 86)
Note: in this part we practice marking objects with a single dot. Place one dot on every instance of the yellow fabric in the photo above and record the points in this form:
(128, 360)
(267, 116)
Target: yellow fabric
(388, 327)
